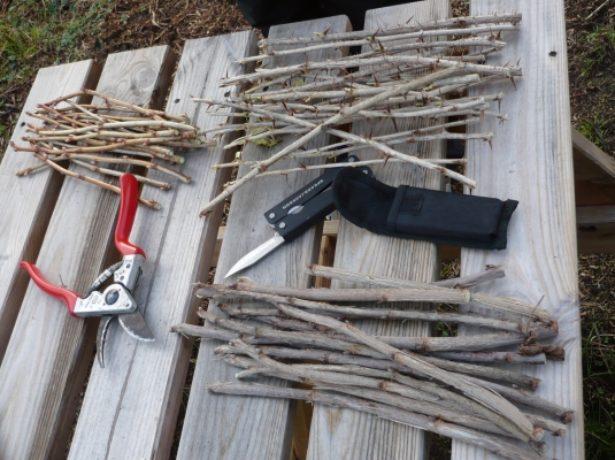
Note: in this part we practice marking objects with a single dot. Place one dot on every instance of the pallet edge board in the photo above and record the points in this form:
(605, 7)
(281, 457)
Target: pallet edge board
(596, 231)
(44, 367)
(531, 160)
(595, 215)
(28, 202)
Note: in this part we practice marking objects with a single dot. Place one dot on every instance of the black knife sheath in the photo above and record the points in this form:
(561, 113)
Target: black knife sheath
(418, 213)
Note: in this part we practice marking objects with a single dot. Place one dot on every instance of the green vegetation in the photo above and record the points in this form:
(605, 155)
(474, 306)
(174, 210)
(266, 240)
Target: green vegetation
(596, 277)
(596, 130)
(596, 47)
(267, 142)
(38, 33)
(591, 50)
(599, 45)
(34, 32)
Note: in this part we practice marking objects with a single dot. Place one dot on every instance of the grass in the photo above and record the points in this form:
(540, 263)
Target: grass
(591, 46)
(597, 285)
(599, 44)
(599, 48)
(596, 129)
(38, 33)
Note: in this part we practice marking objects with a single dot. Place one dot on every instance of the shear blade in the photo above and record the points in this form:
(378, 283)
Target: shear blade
(101, 338)
(135, 326)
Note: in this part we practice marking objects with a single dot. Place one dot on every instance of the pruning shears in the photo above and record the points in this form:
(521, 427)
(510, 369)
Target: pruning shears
(116, 300)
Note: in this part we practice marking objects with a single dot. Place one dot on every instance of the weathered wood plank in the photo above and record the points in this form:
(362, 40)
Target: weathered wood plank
(591, 151)
(594, 173)
(595, 215)
(593, 184)
(224, 427)
(27, 202)
(44, 367)
(596, 232)
(531, 161)
(345, 434)
(133, 402)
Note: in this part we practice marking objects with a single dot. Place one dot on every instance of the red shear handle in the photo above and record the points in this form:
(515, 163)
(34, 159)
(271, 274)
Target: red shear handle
(66, 295)
(128, 208)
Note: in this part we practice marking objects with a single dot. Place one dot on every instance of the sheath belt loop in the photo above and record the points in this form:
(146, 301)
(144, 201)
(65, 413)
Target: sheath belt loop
(418, 213)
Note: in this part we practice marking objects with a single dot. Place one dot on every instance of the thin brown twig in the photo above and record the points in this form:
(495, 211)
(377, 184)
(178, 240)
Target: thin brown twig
(149, 203)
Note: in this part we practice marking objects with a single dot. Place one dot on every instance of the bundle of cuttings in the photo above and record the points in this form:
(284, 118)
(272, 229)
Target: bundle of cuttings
(93, 141)
(453, 386)
(429, 82)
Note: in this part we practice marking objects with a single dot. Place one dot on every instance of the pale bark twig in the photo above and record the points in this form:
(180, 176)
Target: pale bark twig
(498, 445)
(413, 362)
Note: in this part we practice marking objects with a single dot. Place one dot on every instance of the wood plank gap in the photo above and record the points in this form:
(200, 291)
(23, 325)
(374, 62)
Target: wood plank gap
(302, 410)
(28, 202)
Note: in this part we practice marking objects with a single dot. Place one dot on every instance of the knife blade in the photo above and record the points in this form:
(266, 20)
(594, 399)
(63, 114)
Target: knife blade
(299, 218)
(295, 214)
(256, 254)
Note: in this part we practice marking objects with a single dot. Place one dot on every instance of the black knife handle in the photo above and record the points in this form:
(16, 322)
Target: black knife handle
(301, 196)
(294, 224)
(302, 217)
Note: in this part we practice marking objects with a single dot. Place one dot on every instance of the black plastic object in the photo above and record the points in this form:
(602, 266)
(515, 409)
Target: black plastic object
(307, 206)
(417, 213)
(315, 210)
(295, 202)
(265, 13)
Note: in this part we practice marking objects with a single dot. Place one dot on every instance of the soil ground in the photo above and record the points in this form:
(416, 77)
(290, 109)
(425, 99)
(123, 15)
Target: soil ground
(39, 33)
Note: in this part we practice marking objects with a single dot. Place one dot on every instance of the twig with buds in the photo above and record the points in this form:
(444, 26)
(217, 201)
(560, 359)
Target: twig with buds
(76, 137)
(419, 73)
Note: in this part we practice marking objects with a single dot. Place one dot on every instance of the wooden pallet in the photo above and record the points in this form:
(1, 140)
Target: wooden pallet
(54, 403)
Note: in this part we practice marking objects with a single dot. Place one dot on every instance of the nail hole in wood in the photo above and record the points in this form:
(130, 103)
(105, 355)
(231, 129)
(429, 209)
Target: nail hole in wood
(553, 53)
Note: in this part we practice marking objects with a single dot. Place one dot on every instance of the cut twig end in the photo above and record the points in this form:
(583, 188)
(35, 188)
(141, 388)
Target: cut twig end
(567, 417)
(538, 434)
